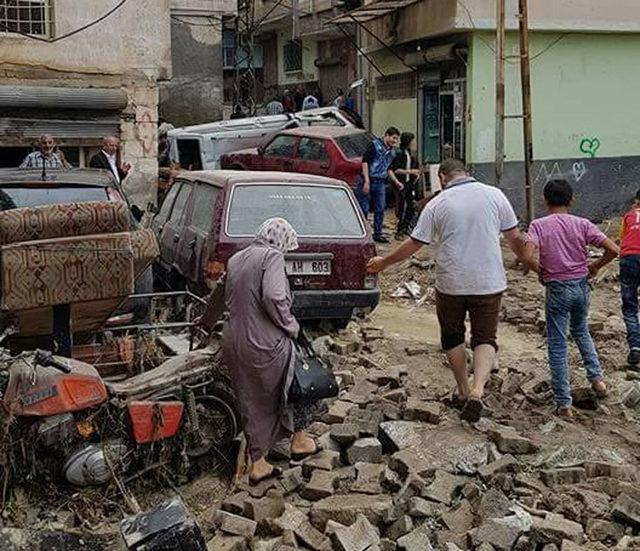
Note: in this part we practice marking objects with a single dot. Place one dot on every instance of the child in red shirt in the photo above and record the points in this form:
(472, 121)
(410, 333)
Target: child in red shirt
(630, 278)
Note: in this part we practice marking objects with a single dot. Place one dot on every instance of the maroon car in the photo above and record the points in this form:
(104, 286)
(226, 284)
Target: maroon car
(208, 216)
(326, 150)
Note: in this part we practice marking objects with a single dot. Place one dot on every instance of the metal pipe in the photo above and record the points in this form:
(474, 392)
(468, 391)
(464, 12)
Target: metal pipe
(500, 35)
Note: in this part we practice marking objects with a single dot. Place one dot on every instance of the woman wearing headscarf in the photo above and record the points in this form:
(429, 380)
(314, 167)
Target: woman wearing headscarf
(259, 346)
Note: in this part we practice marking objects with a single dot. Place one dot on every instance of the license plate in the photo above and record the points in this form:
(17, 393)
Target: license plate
(308, 267)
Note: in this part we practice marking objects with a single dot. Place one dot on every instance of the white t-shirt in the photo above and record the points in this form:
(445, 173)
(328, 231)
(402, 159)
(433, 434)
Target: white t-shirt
(464, 222)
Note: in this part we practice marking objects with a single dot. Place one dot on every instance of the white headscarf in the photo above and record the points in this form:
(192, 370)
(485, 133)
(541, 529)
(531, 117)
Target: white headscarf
(279, 234)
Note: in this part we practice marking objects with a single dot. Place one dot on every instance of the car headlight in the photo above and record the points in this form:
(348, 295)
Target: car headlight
(371, 281)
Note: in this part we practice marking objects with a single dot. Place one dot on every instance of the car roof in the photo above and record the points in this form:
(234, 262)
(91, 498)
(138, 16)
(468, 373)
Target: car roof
(223, 178)
(321, 131)
(73, 176)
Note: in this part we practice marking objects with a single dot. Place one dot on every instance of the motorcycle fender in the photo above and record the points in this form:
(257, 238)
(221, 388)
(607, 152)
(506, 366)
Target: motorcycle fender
(152, 421)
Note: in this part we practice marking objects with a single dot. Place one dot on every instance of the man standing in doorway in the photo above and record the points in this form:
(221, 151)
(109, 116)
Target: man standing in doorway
(46, 155)
(465, 222)
(107, 159)
(372, 188)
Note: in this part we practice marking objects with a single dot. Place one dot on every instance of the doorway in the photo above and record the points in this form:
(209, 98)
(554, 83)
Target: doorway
(443, 120)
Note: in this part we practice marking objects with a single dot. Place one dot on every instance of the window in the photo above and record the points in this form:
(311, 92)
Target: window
(398, 86)
(292, 55)
(26, 16)
(312, 150)
(181, 202)
(204, 206)
(163, 214)
(354, 145)
(189, 154)
(228, 48)
(314, 211)
(16, 197)
(281, 146)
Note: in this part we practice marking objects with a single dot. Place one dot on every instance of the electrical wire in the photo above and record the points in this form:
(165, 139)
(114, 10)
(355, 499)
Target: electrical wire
(213, 21)
(71, 33)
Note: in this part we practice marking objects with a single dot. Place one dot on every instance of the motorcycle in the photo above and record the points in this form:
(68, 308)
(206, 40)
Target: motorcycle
(62, 421)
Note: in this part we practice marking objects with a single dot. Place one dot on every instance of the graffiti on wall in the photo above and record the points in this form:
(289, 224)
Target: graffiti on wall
(589, 146)
(548, 171)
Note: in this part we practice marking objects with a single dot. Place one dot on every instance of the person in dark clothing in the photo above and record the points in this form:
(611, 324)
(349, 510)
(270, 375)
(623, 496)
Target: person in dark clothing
(298, 97)
(404, 173)
(372, 186)
(288, 102)
(107, 158)
(237, 113)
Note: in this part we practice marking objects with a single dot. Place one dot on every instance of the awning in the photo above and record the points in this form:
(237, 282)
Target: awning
(371, 11)
(60, 97)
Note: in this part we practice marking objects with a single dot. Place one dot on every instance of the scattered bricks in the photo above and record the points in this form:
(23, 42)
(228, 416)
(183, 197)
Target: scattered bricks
(397, 395)
(385, 545)
(568, 545)
(399, 528)
(398, 435)
(419, 410)
(459, 520)
(368, 478)
(295, 520)
(321, 485)
(421, 508)
(345, 434)
(345, 348)
(361, 535)
(331, 527)
(325, 460)
(346, 508)
(509, 441)
(392, 377)
(494, 504)
(555, 528)
(373, 334)
(227, 543)
(500, 533)
(627, 510)
(595, 504)
(346, 378)
(234, 524)
(328, 443)
(418, 540)
(604, 530)
(631, 397)
(396, 511)
(318, 428)
(338, 411)
(411, 460)
(621, 472)
(368, 421)
(362, 392)
(417, 350)
(291, 479)
(391, 480)
(235, 503)
(506, 464)
(584, 398)
(281, 450)
(365, 450)
(530, 482)
(390, 411)
(263, 508)
(569, 475)
(443, 487)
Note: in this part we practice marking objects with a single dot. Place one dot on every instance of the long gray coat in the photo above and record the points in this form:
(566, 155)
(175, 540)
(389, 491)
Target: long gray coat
(258, 344)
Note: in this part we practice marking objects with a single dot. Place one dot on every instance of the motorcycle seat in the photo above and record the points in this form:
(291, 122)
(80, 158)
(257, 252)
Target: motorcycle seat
(172, 372)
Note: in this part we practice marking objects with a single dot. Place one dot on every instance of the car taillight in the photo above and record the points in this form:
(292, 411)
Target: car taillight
(215, 270)
(371, 281)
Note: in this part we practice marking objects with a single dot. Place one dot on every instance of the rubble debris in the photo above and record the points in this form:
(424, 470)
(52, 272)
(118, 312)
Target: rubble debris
(263, 508)
(418, 540)
(509, 441)
(407, 289)
(369, 477)
(419, 410)
(338, 411)
(627, 510)
(346, 508)
(557, 528)
(398, 435)
(443, 487)
(506, 464)
(295, 520)
(291, 480)
(460, 519)
(234, 524)
(325, 460)
(368, 421)
(359, 536)
(365, 450)
(568, 475)
(345, 433)
(167, 526)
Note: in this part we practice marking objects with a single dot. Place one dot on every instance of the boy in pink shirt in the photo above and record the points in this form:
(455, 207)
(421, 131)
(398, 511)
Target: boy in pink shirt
(561, 240)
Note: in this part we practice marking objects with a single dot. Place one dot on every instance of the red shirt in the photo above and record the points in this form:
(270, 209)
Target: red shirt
(630, 233)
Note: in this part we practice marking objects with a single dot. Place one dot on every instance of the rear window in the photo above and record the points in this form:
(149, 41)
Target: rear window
(314, 211)
(354, 145)
(189, 154)
(18, 197)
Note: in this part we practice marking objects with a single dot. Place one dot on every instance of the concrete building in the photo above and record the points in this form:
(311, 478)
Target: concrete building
(439, 82)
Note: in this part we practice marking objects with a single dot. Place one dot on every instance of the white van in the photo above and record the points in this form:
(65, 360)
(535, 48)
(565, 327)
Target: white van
(200, 147)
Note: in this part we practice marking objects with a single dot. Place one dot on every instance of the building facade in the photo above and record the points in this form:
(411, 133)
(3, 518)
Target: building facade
(439, 81)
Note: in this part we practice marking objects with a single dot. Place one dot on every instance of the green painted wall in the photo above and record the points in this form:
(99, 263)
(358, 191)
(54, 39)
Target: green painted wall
(309, 54)
(585, 86)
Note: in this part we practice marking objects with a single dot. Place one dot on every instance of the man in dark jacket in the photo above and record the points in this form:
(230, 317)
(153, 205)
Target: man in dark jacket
(107, 159)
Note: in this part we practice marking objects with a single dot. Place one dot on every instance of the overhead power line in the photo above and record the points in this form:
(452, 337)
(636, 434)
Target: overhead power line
(71, 33)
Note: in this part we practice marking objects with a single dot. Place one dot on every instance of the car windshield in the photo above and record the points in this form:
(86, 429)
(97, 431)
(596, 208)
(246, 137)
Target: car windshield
(354, 145)
(313, 210)
(18, 197)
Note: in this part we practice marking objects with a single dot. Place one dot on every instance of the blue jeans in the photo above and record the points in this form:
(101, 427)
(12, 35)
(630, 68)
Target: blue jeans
(629, 283)
(567, 307)
(376, 198)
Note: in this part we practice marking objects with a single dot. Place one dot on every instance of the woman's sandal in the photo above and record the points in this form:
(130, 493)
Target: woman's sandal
(301, 456)
(275, 473)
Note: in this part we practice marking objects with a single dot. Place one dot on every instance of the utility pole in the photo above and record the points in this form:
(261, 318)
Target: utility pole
(525, 77)
(500, 36)
(244, 85)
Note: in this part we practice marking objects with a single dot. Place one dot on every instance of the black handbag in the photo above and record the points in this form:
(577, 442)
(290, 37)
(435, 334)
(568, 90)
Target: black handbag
(313, 379)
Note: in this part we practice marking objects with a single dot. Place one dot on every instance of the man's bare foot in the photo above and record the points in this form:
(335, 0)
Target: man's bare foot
(303, 445)
(600, 388)
(565, 412)
(261, 470)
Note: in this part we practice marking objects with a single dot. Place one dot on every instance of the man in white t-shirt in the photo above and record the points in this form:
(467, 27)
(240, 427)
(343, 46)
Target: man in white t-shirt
(464, 222)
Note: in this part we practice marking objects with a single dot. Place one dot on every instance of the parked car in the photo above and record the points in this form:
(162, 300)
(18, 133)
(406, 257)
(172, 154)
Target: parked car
(209, 215)
(26, 188)
(329, 151)
(200, 147)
